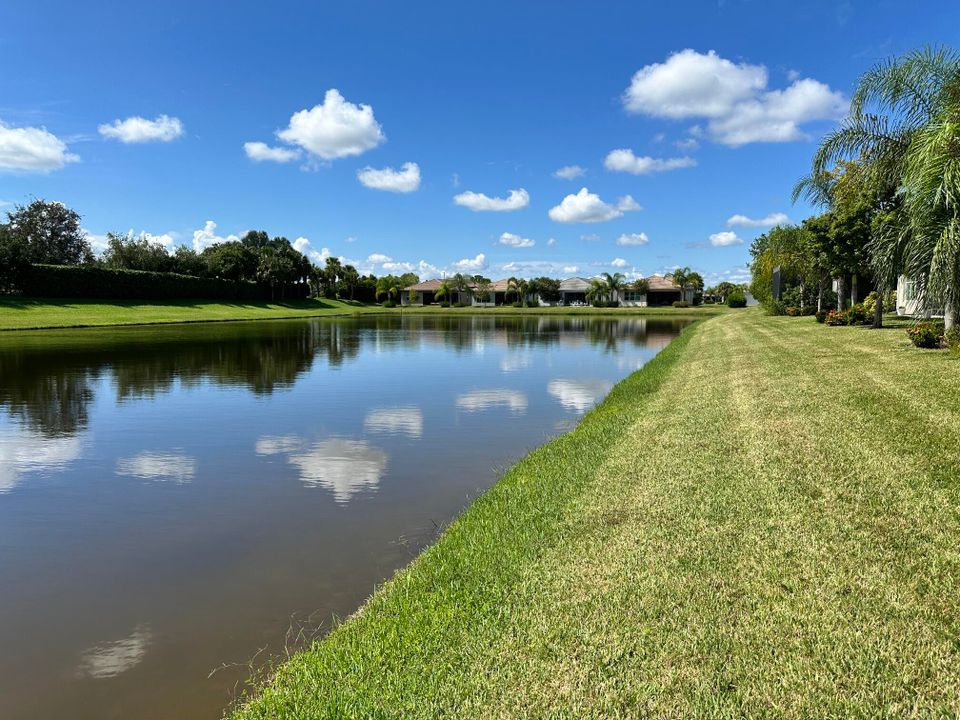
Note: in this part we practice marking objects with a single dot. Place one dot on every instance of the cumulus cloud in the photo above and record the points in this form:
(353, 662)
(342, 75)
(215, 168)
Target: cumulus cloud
(207, 237)
(619, 263)
(725, 238)
(261, 152)
(551, 242)
(768, 221)
(301, 244)
(140, 130)
(379, 258)
(512, 240)
(473, 265)
(570, 268)
(30, 149)
(687, 144)
(569, 172)
(478, 202)
(404, 180)
(334, 129)
(623, 160)
(587, 207)
(633, 239)
(733, 97)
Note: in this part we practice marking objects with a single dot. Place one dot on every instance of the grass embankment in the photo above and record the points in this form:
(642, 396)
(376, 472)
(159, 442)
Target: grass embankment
(32, 314)
(764, 521)
(36, 314)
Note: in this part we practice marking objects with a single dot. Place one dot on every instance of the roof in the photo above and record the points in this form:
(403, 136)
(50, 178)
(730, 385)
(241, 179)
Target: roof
(574, 284)
(662, 282)
(425, 286)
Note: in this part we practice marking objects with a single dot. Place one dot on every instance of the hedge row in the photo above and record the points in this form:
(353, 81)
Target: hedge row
(68, 281)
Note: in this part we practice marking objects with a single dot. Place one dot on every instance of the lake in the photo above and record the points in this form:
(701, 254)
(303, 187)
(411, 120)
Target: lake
(185, 500)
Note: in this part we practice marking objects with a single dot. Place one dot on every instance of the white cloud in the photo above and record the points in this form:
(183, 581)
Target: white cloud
(475, 265)
(570, 269)
(31, 149)
(569, 172)
(478, 202)
(109, 659)
(633, 239)
(590, 237)
(479, 400)
(405, 180)
(425, 270)
(725, 238)
(301, 244)
(207, 237)
(512, 240)
(261, 152)
(140, 130)
(159, 466)
(551, 242)
(587, 207)
(398, 267)
(619, 263)
(687, 144)
(768, 221)
(734, 98)
(404, 420)
(578, 395)
(334, 129)
(379, 258)
(623, 160)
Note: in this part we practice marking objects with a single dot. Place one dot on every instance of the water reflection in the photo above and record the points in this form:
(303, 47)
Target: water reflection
(109, 659)
(477, 400)
(407, 420)
(23, 451)
(159, 466)
(344, 467)
(579, 395)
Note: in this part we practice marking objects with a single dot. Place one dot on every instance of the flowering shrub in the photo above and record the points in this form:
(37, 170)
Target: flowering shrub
(926, 334)
(837, 317)
(820, 315)
(792, 311)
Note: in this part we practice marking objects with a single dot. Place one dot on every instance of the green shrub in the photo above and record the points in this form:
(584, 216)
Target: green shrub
(926, 334)
(952, 338)
(517, 304)
(89, 281)
(775, 307)
(820, 315)
(532, 304)
(612, 303)
(857, 315)
(389, 304)
(837, 317)
(681, 304)
(459, 304)
(736, 299)
(444, 303)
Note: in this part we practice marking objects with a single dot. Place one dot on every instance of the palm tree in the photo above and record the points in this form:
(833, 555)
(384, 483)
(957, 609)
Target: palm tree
(389, 286)
(681, 276)
(444, 291)
(519, 286)
(616, 283)
(461, 284)
(597, 291)
(897, 131)
(483, 289)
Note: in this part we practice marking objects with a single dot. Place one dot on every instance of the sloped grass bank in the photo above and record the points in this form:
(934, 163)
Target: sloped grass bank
(762, 522)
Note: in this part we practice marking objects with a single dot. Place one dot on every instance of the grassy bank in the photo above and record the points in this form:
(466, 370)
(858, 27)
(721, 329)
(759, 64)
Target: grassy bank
(33, 314)
(765, 521)
(29, 314)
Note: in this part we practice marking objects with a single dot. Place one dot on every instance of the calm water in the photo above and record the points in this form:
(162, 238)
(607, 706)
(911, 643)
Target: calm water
(175, 499)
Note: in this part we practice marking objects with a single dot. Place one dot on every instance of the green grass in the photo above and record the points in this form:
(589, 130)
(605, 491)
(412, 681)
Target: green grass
(38, 313)
(35, 313)
(763, 522)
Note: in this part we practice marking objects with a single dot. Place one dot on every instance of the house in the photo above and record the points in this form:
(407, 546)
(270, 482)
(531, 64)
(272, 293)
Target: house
(908, 299)
(573, 291)
(663, 291)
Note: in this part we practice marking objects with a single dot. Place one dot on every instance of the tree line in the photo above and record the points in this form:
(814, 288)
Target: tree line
(887, 180)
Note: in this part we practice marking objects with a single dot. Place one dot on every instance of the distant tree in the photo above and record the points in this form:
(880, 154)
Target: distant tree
(187, 261)
(349, 280)
(598, 291)
(641, 285)
(127, 251)
(50, 233)
(444, 291)
(547, 288)
(408, 279)
(483, 286)
(389, 286)
(461, 283)
(519, 287)
(616, 283)
(681, 277)
(255, 239)
(232, 261)
(14, 258)
(695, 280)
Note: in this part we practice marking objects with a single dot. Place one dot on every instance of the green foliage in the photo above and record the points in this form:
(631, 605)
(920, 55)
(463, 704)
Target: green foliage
(821, 315)
(65, 281)
(736, 299)
(459, 304)
(836, 318)
(641, 285)
(532, 304)
(444, 304)
(926, 335)
(681, 304)
(49, 232)
(516, 304)
(388, 304)
(547, 288)
(14, 258)
(857, 315)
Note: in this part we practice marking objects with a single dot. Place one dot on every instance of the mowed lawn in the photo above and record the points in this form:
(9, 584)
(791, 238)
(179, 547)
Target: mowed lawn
(25, 313)
(764, 522)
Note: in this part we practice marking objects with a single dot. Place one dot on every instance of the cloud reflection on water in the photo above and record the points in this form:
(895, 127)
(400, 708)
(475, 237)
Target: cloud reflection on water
(579, 395)
(109, 659)
(159, 466)
(478, 400)
(406, 420)
(23, 451)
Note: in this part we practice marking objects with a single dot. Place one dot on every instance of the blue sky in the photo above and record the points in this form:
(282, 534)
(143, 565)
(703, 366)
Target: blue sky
(198, 121)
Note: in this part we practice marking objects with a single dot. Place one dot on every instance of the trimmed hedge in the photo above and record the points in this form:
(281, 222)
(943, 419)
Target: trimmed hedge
(83, 281)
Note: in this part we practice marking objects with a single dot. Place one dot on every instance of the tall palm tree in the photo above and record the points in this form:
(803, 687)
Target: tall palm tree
(615, 284)
(681, 276)
(461, 284)
(899, 110)
(519, 286)
(444, 291)
(388, 285)
(597, 291)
